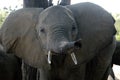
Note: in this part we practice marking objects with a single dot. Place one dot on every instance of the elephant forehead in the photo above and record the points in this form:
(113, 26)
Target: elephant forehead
(60, 26)
(56, 14)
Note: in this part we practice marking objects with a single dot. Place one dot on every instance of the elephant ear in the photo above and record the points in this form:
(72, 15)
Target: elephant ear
(95, 28)
(18, 36)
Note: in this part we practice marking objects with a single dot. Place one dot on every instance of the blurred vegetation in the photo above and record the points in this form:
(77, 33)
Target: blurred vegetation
(117, 25)
(4, 12)
(3, 15)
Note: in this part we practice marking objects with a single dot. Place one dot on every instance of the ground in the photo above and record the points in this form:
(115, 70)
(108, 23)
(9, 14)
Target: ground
(116, 70)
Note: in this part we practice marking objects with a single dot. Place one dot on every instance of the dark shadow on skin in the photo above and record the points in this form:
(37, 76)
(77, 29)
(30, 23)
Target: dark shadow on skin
(28, 72)
(10, 67)
(116, 56)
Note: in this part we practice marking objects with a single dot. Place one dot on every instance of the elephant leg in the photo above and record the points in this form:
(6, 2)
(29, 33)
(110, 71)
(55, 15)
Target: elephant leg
(97, 67)
(116, 56)
(38, 74)
(78, 73)
(28, 72)
(111, 74)
(18, 74)
(43, 74)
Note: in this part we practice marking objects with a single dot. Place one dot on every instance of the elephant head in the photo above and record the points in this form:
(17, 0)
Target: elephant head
(57, 30)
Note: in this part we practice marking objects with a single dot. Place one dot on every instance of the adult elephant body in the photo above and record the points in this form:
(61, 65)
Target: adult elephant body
(85, 30)
(10, 66)
(116, 56)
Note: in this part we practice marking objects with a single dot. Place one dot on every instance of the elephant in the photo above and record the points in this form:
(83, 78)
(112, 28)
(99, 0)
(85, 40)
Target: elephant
(29, 72)
(10, 67)
(73, 42)
(115, 59)
(116, 55)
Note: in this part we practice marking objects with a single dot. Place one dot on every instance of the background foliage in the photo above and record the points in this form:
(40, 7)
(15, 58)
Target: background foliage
(4, 13)
(117, 25)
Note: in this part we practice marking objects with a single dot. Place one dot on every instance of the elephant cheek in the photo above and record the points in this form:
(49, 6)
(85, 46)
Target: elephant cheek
(37, 61)
(32, 54)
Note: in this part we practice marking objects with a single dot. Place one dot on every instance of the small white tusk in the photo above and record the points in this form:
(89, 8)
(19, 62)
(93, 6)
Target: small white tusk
(74, 58)
(49, 57)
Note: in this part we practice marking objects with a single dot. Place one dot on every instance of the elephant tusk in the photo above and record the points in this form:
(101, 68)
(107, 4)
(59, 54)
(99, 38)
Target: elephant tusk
(74, 58)
(49, 57)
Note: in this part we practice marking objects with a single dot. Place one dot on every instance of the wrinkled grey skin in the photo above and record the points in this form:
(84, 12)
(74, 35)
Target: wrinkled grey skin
(85, 29)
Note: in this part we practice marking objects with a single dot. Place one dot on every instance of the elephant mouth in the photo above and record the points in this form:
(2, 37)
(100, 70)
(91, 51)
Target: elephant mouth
(65, 48)
(51, 53)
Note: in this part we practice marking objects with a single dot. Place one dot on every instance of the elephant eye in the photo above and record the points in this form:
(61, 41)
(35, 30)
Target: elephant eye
(73, 28)
(42, 30)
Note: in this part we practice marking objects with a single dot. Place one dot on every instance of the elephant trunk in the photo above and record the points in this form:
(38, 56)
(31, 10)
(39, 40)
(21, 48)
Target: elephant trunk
(63, 47)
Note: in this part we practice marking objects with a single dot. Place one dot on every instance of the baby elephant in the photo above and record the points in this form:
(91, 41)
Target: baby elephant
(10, 67)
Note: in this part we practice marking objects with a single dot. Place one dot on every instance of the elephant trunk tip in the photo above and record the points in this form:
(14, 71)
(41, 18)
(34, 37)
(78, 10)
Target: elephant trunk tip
(68, 47)
(78, 44)
(65, 47)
